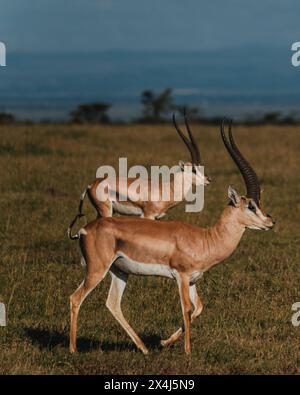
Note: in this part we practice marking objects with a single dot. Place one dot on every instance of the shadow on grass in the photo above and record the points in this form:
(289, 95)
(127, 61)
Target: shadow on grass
(46, 339)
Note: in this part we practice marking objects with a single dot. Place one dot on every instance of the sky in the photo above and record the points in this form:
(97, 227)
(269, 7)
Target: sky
(95, 25)
(242, 60)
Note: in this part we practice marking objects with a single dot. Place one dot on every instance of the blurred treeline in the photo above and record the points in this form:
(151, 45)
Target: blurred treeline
(157, 107)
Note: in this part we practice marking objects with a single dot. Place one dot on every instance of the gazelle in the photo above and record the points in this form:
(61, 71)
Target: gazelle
(174, 249)
(147, 208)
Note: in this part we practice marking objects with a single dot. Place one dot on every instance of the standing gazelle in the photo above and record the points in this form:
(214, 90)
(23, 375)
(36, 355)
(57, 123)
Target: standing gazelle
(173, 249)
(147, 208)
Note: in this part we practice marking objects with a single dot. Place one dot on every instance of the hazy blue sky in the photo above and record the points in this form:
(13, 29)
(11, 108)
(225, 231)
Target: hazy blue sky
(52, 25)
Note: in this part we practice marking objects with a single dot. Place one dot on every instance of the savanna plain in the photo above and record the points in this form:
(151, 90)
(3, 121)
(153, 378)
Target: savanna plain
(245, 326)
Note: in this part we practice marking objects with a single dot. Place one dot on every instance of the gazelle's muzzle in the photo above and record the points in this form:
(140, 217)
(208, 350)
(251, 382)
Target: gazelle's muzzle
(271, 220)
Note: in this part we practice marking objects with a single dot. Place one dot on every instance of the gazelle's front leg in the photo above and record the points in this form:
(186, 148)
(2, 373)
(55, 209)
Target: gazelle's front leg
(198, 307)
(148, 215)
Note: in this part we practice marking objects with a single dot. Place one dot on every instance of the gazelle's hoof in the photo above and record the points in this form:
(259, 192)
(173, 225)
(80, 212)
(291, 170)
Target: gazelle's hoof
(72, 350)
(164, 343)
(144, 350)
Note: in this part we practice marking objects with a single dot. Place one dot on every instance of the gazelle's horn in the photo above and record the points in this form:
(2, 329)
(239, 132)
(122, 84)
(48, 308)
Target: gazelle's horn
(187, 142)
(192, 138)
(247, 172)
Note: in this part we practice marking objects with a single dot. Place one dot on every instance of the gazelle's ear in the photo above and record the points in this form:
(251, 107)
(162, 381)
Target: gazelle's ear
(181, 164)
(234, 196)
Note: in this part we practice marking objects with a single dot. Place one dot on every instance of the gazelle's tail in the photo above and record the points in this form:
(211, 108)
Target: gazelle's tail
(78, 215)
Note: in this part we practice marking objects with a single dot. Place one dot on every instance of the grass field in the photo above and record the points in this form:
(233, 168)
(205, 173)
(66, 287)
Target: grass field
(245, 326)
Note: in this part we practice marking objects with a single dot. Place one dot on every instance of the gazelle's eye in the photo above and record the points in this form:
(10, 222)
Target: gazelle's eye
(251, 207)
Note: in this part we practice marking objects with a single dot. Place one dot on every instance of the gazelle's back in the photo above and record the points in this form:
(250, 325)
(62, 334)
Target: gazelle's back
(142, 240)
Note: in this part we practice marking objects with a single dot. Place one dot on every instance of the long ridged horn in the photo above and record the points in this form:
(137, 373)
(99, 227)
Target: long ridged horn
(247, 172)
(192, 138)
(190, 144)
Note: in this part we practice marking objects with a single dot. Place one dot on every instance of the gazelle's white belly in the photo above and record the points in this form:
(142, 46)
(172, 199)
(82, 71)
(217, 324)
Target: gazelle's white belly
(126, 209)
(129, 266)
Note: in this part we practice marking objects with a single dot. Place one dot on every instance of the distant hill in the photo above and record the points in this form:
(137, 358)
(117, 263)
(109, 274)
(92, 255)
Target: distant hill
(236, 82)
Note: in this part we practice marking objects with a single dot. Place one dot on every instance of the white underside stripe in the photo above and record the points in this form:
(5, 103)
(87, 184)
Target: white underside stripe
(126, 209)
(130, 266)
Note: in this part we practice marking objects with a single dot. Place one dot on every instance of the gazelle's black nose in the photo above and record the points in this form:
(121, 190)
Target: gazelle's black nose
(208, 179)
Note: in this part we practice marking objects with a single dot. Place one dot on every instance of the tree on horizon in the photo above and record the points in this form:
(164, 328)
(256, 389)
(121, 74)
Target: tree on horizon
(156, 106)
(6, 118)
(91, 113)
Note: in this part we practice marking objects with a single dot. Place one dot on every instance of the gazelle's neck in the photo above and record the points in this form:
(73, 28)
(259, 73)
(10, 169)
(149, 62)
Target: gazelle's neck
(229, 226)
(222, 239)
(182, 182)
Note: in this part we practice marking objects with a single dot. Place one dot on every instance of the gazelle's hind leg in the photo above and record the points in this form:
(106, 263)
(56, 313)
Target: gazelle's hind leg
(104, 209)
(113, 303)
(76, 299)
(103, 206)
(198, 307)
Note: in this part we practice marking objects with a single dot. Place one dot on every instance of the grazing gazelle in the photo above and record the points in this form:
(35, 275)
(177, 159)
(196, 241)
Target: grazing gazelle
(174, 249)
(147, 208)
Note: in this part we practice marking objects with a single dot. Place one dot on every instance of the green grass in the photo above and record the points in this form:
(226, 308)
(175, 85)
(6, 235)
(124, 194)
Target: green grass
(245, 326)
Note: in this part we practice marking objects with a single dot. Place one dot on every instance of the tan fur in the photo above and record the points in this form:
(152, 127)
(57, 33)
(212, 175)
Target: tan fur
(150, 209)
(183, 248)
